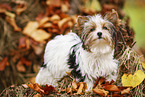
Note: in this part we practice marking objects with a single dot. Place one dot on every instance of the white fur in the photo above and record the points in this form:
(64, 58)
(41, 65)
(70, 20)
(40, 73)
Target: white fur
(97, 63)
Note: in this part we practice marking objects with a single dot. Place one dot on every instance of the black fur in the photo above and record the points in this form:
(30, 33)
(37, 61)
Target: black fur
(76, 73)
(43, 65)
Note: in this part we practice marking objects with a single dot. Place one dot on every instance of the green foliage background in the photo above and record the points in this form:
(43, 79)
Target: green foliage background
(136, 11)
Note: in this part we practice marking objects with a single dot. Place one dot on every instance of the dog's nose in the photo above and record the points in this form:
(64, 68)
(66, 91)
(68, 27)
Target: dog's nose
(99, 34)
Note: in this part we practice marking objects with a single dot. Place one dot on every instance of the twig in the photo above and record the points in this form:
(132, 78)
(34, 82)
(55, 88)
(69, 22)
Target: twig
(122, 37)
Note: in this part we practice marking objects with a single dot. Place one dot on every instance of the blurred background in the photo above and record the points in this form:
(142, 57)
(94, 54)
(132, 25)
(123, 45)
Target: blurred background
(27, 25)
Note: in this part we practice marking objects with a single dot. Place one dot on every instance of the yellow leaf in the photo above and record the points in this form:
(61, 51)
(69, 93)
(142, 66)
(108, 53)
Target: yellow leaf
(133, 80)
(143, 65)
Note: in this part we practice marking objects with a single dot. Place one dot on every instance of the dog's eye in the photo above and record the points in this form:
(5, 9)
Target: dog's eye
(105, 28)
(92, 29)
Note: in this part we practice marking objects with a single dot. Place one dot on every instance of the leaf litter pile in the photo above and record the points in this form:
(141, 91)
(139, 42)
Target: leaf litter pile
(26, 26)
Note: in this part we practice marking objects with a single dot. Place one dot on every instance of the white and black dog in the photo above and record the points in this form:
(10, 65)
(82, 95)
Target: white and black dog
(87, 53)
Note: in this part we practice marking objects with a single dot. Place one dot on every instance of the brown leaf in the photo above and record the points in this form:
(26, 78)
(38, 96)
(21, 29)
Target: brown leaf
(126, 91)
(43, 90)
(36, 87)
(81, 88)
(5, 6)
(63, 21)
(24, 42)
(20, 67)
(12, 22)
(43, 21)
(57, 3)
(25, 61)
(20, 8)
(113, 88)
(4, 62)
(31, 30)
(101, 92)
(74, 85)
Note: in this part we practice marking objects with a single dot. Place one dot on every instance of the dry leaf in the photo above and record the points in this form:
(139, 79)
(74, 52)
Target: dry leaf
(37, 34)
(57, 3)
(101, 92)
(64, 8)
(126, 91)
(31, 26)
(12, 22)
(20, 67)
(55, 18)
(133, 80)
(113, 88)
(40, 35)
(4, 62)
(43, 21)
(63, 21)
(20, 8)
(43, 90)
(74, 85)
(47, 25)
(25, 61)
(5, 6)
(36, 87)
(80, 89)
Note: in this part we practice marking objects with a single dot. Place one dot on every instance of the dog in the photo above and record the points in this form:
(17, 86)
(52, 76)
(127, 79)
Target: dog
(88, 52)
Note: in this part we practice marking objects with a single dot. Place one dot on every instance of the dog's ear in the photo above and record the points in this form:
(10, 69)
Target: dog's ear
(112, 17)
(81, 20)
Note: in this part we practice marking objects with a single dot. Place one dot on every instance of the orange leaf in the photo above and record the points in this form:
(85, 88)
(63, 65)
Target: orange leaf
(80, 89)
(12, 22)
(111, 88)
(20, 67)
(74, 85)
(43, 90)
(101, 92)
(126, 91)
(20, 8)
(36, 87)
(3, 63)
(25, 61)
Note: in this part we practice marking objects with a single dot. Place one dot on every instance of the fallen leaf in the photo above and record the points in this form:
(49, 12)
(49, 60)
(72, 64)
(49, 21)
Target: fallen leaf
(20, 67)
(113, 88)
(12, 22)
(55, 18)
(5, 6)
(31, 26)
(46, 25)
(74, 85)
(31, 30)
(64, 8)
(126, 91)
(40, 35)
(25, 61)
(36, 87)
(57, 3)
(43, 90)
(133, 80)
(43, 21)
(4, 62)
(101, 92)
(20, 8)
(63, 21)
(80, 89)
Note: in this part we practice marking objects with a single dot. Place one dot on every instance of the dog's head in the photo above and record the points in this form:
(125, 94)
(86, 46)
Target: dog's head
(97, 33)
